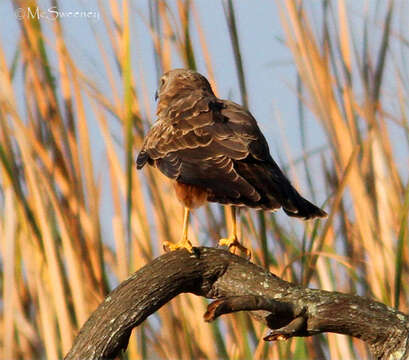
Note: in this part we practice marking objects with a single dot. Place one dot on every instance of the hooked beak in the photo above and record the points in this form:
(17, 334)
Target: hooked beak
(156, 95)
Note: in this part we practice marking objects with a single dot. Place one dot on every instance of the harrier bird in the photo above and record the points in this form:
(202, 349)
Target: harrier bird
(213, 150)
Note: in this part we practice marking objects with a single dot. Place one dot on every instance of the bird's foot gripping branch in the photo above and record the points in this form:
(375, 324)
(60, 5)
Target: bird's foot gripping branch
(238, 285)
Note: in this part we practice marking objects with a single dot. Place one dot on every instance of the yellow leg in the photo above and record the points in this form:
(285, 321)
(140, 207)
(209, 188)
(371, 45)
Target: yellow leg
(184, 243)
(232, 241)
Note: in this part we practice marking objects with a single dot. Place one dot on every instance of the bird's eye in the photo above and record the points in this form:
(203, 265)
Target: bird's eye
(162, 81)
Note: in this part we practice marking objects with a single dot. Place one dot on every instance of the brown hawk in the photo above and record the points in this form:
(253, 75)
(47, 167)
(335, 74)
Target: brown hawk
(214, 151)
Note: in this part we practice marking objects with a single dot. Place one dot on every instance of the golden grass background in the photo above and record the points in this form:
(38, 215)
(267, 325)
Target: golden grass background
(55, 266)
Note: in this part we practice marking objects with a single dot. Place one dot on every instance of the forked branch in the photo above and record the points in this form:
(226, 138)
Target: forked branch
(238, 285)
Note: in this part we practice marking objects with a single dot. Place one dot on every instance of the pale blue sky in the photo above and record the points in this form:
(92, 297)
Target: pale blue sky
(270, 74)
(267, 61)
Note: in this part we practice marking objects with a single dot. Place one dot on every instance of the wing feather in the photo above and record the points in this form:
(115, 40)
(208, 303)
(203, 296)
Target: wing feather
(217, 144)
(199, 144)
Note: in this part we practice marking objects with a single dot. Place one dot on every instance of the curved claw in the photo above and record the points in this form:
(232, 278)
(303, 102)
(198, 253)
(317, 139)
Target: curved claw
(232, 243)
(184, 244)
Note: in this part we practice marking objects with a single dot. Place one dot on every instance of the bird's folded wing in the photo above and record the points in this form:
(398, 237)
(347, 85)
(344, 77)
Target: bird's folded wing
(218, 145)
(201, 147)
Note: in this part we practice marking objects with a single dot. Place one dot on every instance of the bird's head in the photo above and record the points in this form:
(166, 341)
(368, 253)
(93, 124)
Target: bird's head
(178, 83)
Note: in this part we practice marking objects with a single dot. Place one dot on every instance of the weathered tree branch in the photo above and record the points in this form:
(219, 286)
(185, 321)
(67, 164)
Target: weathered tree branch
(237, 284)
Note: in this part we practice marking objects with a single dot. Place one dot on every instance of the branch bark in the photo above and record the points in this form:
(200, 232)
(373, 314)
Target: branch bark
(238, 285)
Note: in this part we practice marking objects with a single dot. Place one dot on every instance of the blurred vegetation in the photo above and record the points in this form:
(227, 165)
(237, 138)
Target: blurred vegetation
(56, 266)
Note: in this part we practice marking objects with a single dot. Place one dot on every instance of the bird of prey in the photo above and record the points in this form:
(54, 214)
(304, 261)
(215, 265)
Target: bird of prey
(213, 150)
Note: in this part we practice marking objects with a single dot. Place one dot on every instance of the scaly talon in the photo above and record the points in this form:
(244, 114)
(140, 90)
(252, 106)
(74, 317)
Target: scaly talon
(184, 244)
(232, 243)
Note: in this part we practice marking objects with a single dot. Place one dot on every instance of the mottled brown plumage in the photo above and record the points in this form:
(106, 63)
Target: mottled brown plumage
(217, 147)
